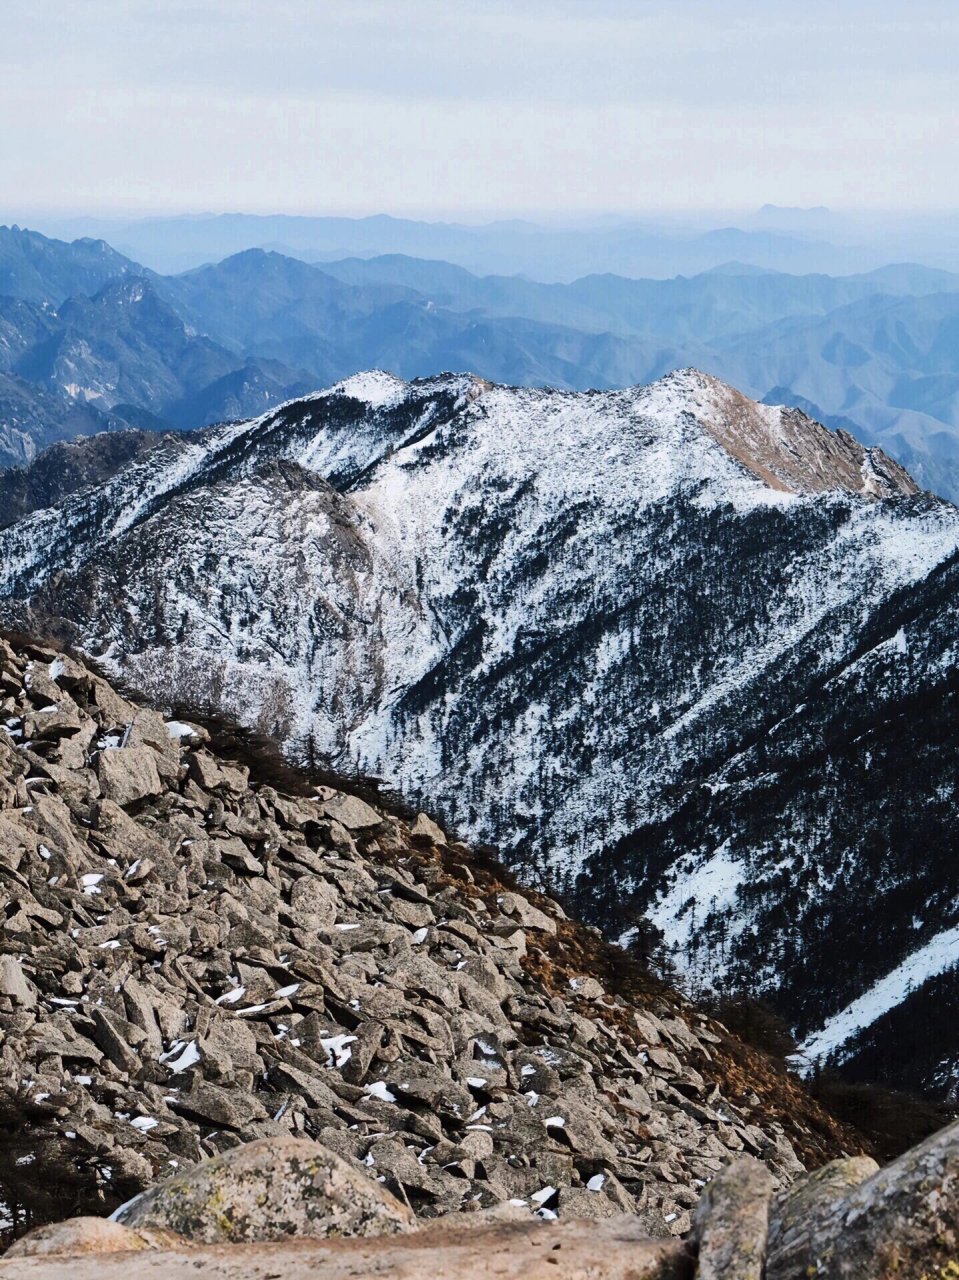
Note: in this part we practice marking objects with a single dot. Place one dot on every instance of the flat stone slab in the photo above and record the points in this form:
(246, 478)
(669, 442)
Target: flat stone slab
(612, 1249)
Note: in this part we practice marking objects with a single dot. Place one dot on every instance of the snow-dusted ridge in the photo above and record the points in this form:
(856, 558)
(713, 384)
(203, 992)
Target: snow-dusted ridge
(614, 632)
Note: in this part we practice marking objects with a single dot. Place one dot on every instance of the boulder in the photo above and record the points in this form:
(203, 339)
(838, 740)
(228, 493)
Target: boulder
(797, 1212)
(426, 827)
(313, 902)
(15, 983)
(521, 909)
(79, 1236)
(351, 812)
(128, 774)
(900, 1224)
(212, 774)
(268, 1190)
(731, 1222)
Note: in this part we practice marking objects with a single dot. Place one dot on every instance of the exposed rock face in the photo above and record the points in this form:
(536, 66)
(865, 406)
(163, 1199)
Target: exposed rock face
(902, 1222)
(508, 1251)
(31, 418)
(723, 628)
(232, 960)
(791, 452)
(269, 1190)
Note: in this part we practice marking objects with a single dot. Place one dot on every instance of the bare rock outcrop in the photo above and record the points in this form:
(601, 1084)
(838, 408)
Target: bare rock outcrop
(900, 1223)
(271, 1189)
(616, 1249)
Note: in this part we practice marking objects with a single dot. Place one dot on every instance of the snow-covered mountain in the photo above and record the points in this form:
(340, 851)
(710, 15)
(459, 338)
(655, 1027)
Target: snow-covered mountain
(676, 652)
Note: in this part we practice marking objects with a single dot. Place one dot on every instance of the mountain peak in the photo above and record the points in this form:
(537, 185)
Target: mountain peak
(785, 448)
(379, 389)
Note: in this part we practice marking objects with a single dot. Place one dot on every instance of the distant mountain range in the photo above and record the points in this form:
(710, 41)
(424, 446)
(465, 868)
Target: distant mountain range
(797, 241)
(630, 247)
(91, 340)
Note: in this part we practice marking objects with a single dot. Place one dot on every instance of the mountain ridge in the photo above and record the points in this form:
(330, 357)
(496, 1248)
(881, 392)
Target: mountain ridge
(256, 329)
(520, 603)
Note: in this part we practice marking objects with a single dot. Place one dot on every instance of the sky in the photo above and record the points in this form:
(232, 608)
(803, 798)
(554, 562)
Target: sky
(477, 107)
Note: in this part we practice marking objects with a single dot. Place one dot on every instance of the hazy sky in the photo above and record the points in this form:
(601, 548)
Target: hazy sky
(476, 105)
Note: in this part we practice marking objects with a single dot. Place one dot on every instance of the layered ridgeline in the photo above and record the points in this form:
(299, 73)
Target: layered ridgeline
(92, 341)
(674, 652)
(195, 956)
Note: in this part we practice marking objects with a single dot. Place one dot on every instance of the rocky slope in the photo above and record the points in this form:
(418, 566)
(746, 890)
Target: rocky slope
(65, 468)
(194, 956)
(723, 628)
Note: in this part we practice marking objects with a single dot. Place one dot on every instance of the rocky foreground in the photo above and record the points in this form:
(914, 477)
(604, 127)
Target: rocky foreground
(196, 958)
(290, 1207)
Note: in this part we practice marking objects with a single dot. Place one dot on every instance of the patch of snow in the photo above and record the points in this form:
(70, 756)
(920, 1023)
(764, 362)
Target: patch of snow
(231, 997)
(188, 1058)
(937, 956)
(177, 729)
(378, 1089)
(375, 388)
(540, 1197)
(338, 1050)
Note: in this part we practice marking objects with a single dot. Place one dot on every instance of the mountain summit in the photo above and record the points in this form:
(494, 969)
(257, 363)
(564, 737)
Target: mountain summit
(678, 654)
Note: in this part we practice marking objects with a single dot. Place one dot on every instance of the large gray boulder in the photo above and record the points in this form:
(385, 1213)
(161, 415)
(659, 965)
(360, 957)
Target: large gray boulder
(798, 1213)
(269, 1190)
(128, 774)
(731, 1222)
(901, 1223)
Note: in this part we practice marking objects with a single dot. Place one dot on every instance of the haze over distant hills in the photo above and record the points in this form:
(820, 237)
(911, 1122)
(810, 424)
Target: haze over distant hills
(90, 339)
(791, 240)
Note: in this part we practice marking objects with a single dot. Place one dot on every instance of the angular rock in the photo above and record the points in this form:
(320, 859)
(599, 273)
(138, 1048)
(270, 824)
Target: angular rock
(269, 1190)
(351, 812)
(425, 826)
(901, 1223)
(128, 774)
(521, 909)
(15, 983)
(731, 1222)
